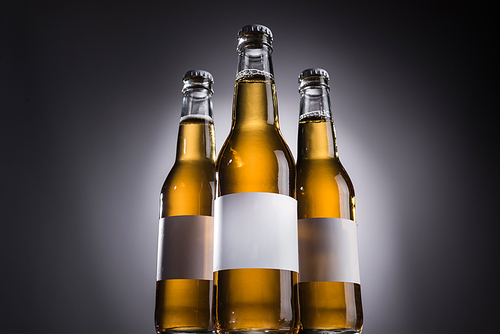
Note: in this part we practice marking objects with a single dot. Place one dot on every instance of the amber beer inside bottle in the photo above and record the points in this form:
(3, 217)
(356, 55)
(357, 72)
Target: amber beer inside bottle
(183, 305)
(324, 190)
(255, 159)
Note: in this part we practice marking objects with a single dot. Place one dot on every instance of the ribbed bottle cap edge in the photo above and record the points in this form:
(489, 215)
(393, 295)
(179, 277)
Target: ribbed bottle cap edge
(257, 28)
(198, 73)
(316, 71)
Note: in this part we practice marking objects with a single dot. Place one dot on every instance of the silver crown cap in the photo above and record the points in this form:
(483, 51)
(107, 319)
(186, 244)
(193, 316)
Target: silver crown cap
(198, 73)
(256, 27)
(314, 71)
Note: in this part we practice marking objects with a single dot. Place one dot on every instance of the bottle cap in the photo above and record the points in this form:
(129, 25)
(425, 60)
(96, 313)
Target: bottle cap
(198, 78)
(313, 77)
(256, 28)
(255, 34)
(198, 73)
(314, 72)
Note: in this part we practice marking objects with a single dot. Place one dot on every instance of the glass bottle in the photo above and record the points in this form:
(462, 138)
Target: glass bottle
(255, 231)
(185, 239)
(329, 285)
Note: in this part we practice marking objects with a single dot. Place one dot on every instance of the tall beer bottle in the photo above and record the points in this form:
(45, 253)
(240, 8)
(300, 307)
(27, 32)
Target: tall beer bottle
(255, 229)
(329, 285)
(185, 240)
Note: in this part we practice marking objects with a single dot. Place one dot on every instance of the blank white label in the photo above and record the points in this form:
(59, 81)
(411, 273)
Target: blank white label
(328, 250)
(255, 230)
(185, 248)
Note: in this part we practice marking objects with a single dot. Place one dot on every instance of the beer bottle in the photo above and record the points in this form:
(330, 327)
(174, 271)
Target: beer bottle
(329, 284)
(185, 238)
(255, 228)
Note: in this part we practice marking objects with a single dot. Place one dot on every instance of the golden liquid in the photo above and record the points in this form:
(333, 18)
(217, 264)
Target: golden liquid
(325, 190)
(189, 187)
(255, 300)
(255, 158)
(330, 306)
(184, 305)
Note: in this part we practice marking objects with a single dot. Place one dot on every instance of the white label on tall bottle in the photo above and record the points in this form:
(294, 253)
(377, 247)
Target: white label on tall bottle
(255, 230)
(328, 250)
(185, 248)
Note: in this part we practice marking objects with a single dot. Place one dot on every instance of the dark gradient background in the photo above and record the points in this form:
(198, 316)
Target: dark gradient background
(90, 101)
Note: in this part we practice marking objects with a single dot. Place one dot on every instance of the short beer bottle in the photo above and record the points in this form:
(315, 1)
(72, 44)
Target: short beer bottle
(255, 229)
(185, 239)
(329, 284)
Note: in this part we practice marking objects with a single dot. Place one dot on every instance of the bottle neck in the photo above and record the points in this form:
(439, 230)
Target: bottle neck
(316, 129)
(254, 58)
(196, 139)
(255, 101)
(197, 103)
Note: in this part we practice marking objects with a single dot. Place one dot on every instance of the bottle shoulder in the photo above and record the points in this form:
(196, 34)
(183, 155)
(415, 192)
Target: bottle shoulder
(255, 141)
(189, 173)
(255, 161)
(323, 173)
(324, 190)
(255, 149)
(189, 189)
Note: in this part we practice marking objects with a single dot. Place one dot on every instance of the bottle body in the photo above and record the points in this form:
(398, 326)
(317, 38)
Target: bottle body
(185, 245)
(255, 233)
(329, 287)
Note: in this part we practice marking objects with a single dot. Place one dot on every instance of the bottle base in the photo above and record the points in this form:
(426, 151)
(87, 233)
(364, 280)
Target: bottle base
(257, 331)
(330, 331)
(184, 331)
